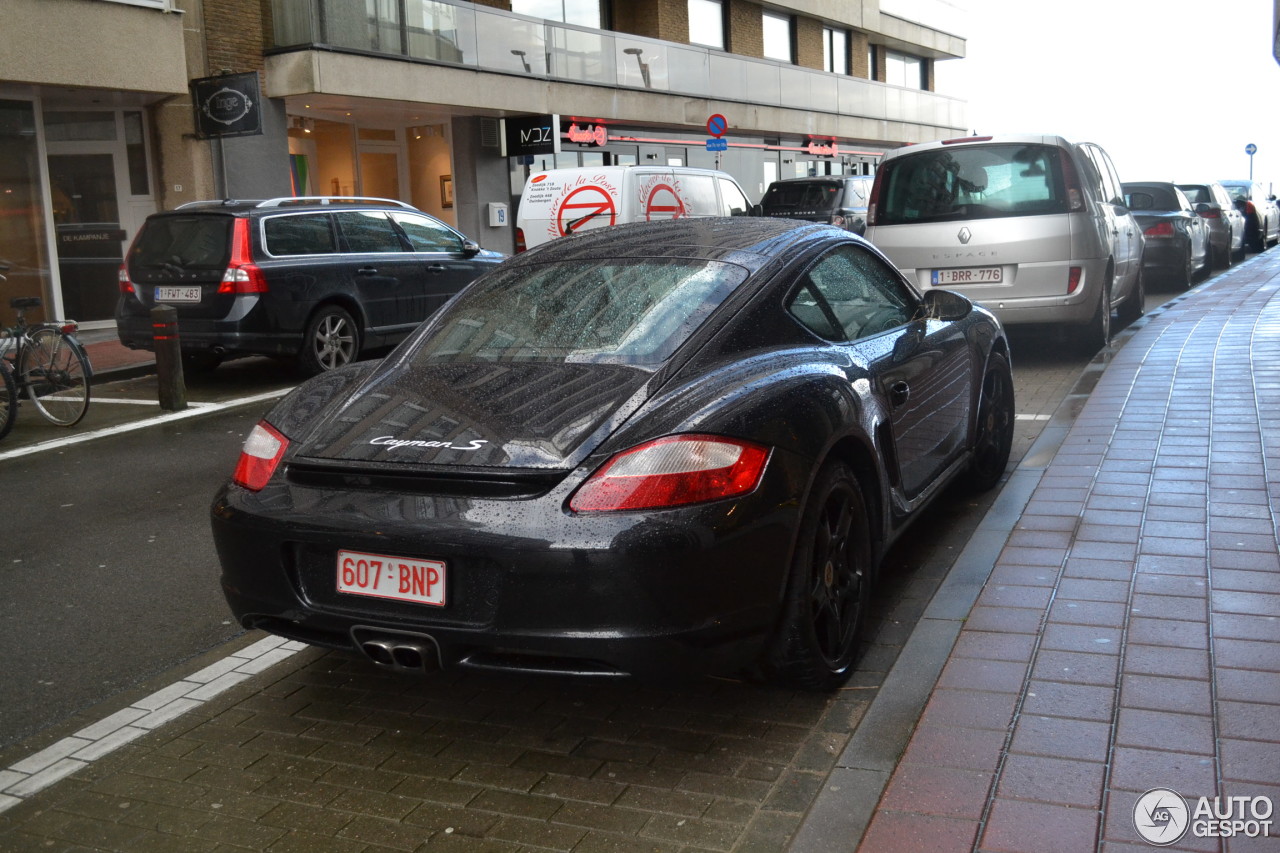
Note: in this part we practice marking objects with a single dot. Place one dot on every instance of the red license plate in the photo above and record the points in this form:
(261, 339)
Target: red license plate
(396, 578)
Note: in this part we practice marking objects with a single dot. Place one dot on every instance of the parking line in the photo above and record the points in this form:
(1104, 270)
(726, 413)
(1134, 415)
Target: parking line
(192, 411)
(74, 752)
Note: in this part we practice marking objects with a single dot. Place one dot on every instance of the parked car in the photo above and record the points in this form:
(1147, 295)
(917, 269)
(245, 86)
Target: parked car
(662, 448)
(1032, 227)
(839, 200)
(320, 279)
(560, 202)
(1226, 224)
(1261, 215)
(1175, 238)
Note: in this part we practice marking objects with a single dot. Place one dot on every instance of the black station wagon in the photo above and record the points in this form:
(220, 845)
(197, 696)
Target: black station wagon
(322, 279)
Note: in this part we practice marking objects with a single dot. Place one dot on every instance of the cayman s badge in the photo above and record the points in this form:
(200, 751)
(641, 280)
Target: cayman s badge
(964, 235)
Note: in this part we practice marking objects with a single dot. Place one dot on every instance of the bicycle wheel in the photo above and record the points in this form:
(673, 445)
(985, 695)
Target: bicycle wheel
(55, 372)
(8, 398)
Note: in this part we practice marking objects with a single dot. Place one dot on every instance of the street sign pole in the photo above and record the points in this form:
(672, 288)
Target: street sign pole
(1251, 149)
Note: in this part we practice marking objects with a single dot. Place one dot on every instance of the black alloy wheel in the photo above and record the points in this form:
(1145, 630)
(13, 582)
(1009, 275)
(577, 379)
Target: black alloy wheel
(829, 587)
(1136, 304)
(996, 414)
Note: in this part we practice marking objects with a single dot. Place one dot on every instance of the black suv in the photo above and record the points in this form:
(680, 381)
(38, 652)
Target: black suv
(322, 279)
(836, 199)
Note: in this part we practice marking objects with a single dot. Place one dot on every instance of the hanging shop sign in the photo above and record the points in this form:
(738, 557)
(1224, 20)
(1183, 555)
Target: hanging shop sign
(229, 105)
(529, 135)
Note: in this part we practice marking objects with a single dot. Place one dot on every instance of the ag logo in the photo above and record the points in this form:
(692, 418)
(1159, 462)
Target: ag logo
(1161, 816)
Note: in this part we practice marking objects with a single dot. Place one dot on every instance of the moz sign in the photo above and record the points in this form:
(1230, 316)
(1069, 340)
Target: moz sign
(528, 135)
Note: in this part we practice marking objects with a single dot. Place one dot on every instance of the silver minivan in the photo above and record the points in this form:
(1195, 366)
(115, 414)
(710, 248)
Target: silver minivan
(1033, 227)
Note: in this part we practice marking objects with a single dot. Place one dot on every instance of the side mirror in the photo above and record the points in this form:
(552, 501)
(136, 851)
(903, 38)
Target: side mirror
(470, 248)
(757, 210)
(945, 305)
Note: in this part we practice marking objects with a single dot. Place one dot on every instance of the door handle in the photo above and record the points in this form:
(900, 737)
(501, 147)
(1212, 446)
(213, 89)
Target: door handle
(899, 392)
(367, 271)
(436, 267)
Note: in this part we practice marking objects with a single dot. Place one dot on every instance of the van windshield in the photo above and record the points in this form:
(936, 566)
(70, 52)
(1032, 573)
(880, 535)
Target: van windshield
(972, 182)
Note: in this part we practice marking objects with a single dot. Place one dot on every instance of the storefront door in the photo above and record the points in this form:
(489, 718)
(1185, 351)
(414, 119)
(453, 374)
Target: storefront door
(380, 171)
(88, 231)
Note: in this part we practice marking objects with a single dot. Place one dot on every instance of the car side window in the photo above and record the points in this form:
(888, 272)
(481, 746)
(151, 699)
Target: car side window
(427, 235)
(733, 202)
(850, 294)
(368, 231)
(301, 234)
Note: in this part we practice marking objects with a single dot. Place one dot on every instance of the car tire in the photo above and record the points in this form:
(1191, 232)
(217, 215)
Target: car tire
(828, 588)
(1136, 304)
(332, 340)
(994, 435)
(1096, 334)
(1184, 277)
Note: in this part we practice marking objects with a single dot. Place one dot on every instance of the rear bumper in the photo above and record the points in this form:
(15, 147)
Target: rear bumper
(223, 338)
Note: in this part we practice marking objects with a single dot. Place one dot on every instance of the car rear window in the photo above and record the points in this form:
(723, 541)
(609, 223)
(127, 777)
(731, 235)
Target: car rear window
(634, 312)
(971, 182)
(803, 195)
(1146, 197)
(186, 242)
(1197, 194)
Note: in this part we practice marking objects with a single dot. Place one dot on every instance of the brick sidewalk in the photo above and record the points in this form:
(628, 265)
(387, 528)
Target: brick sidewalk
(1128, 637)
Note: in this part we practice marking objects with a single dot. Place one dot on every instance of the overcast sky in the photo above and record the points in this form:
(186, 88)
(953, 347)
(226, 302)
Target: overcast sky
(1173, 89)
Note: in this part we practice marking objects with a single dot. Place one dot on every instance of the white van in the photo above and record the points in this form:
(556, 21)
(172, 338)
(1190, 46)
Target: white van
(560, 202)
(1034, 228)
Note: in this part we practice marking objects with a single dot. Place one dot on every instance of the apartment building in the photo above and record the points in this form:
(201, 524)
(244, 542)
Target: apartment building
(447, 104)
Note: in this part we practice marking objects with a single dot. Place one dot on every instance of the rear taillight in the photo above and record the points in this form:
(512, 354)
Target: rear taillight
(1159, 231)
(673, 471)
(1071, 182)
(837, 219)
(261, 455)
(520, 244)
(1073, 279)
(126, 283)
(876, 189)
(1211, 213)
(242, 275)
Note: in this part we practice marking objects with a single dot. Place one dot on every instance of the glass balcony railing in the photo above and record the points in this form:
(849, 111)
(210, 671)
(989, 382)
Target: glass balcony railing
(494, 40)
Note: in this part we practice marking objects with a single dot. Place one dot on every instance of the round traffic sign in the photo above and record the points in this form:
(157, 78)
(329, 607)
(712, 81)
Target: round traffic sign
(1251, 149)
(717, 125)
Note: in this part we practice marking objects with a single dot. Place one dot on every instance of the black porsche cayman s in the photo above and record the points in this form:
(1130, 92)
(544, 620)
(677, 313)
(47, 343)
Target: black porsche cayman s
(662, 448)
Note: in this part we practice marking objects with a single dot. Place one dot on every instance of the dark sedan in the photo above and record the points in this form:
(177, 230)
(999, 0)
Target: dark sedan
(1175, 238)
(658, 449)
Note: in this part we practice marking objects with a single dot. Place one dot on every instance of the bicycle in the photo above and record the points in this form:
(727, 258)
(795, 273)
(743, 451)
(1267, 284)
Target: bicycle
(48, 365)
(8, 398)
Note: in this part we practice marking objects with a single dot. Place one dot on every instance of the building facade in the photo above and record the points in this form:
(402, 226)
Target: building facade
(424, 101)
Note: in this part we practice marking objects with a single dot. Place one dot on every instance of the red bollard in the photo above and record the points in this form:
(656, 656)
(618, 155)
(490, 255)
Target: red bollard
(173, 390)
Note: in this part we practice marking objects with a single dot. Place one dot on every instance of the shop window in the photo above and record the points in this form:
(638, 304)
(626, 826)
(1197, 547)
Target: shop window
(584, 13)
(835, 50)
(80, 126)
(777, 37)
(135, 149)
(22, 223)
(706, 23)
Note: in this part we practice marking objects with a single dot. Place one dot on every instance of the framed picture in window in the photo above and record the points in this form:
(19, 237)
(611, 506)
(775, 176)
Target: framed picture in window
(446, 190)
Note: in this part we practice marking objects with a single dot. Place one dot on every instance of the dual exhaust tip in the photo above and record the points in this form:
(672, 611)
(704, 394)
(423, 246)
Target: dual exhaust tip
(398, 651)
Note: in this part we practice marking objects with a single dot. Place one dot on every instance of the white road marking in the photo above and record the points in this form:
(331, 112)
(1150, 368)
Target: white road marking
(1032, 417)
(74, 752)
(190, 412)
